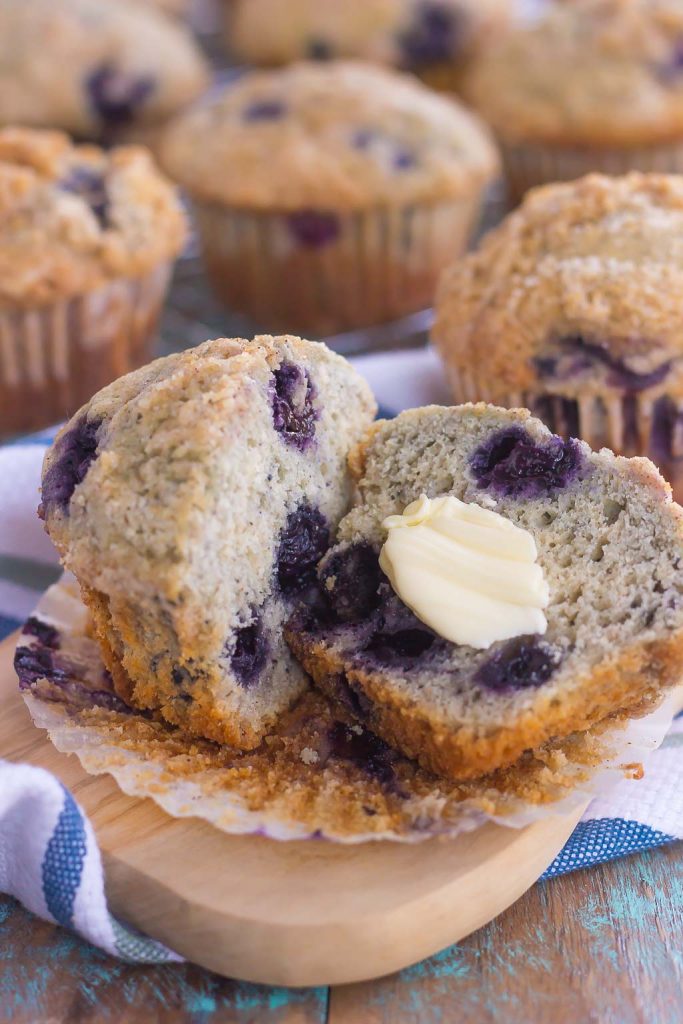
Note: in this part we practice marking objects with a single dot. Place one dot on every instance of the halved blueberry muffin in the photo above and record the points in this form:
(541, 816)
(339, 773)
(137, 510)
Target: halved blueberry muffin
(609, 544)
(192, 500)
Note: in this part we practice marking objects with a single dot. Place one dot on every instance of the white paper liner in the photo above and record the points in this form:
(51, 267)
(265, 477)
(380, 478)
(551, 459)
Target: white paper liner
(576, 771)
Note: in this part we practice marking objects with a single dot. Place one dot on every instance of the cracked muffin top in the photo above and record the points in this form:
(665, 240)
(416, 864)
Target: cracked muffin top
(344, 135)
(582, 284)
(593, 72)
(72, 217)
(410, 34)
(94, 68)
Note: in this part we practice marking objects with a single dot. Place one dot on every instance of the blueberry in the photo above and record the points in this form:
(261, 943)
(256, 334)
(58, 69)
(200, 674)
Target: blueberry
(432, 37)
(362, 138)
(576, 356)
(250, 652)
(351, 579)
(75, 451)
(90, 186)
(511, 463)
(319, 49)
(294, 412)
(400, 646)
(34, 663)
(363, 749)
(116, 95)
(313, 229)
(264, 110)
(303, 542)
(404, 160)
(522, 663)
(47, 634)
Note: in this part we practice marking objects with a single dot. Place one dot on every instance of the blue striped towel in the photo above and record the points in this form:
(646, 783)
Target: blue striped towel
(48, 853)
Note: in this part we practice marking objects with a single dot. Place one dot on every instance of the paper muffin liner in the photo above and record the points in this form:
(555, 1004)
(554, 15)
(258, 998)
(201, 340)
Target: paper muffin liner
(313, 777)
(323, 272)
(53, 358)
(628, 424)
(529, 164)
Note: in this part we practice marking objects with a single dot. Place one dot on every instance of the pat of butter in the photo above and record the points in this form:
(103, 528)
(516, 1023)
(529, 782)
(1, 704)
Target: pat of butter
(466, 571)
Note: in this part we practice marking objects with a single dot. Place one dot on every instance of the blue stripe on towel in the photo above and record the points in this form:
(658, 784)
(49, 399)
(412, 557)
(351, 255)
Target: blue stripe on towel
(63, 862)
(602, 839)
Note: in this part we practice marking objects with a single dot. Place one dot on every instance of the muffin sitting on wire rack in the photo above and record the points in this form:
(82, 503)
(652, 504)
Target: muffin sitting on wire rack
(329, 196)
(106, 70)
(591, 85)
(87, 241)
(433, 38)
(573, 307)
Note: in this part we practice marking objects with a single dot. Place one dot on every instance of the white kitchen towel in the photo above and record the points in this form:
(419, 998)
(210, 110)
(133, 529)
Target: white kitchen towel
(48, 854)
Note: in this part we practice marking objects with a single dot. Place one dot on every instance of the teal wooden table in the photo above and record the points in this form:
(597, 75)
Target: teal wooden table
(603, 945)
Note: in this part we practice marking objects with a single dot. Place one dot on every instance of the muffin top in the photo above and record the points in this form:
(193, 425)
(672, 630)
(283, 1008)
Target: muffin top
(578, 291)
(94, 67)
(593, 72)
(343, 135)
(404, 33)
(72, 217)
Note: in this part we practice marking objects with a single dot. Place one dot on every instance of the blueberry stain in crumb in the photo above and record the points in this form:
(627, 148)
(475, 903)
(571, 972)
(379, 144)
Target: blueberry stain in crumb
(75, 452)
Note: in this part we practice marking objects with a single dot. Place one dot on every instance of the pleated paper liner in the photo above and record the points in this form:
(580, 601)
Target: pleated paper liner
(530, 164)
(318, 273)
(55, 357)
(313, 777)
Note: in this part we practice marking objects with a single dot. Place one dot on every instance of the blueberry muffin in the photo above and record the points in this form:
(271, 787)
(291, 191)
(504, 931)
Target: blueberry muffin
(608, 542)
(433, 38)
(573, 307)
(87, 242)
(192, 500)
(329, 196)
(591, 85)
(98, 69)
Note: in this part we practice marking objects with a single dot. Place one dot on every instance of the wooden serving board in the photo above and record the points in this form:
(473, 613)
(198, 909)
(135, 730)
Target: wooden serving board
(286, 913)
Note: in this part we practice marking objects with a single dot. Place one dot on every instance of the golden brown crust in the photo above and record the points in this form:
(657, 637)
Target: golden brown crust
(599, 259)
(639, 676)
(73, 218)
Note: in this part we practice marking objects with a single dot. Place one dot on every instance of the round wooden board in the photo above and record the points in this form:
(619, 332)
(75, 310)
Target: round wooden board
(297, 913)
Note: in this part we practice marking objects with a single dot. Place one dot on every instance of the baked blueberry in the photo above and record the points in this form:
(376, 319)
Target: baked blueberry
(115, 95)
(250, 652)
(294, 411)
(519, 664)
(512, 464)
(313, 229)
(75, 451)
(304, 541)
(90, 185)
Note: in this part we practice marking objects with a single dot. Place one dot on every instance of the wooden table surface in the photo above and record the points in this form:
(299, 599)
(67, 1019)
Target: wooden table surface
(603, 945)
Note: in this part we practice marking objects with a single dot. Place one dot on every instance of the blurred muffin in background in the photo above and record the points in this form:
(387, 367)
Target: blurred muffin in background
(329, 196)
(177, 7)
(87, 241)
(433, 38)
(573, 307)
(591, 85)
(99, 69)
